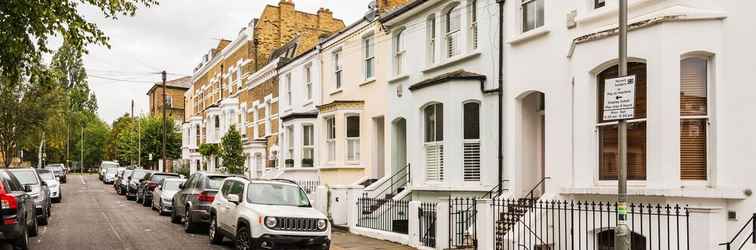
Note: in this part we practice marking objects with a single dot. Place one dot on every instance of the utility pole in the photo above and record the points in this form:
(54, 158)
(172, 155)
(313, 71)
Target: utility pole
(139, 144)
(81, 157)
(165, 125)
(622, 232)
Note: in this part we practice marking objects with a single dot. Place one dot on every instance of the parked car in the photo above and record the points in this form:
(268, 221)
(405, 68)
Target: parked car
(58, 170)
(162, 196)
(109, 176)
(53, 185)
(104, 166)
(191, 204)
(17, 211)
(151, 180)
(267, 214)
(133, 182)
(123, 181)
(39, 191)
(117, 178)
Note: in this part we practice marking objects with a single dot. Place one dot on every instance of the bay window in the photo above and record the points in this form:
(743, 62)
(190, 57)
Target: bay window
(308, 146)
(636, 129)
(288, 89)
(289, 147)
(331, 137)
(694, 118)
(471, 144)
(353, 137)
(434, 141)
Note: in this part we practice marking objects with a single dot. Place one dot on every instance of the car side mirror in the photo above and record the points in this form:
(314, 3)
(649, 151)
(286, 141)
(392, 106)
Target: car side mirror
(181, 186)
(44, 183)
(233, 198)
(27, 188)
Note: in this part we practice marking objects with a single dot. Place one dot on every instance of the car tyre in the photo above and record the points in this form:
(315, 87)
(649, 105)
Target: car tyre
(174, 217)
(34, 229)
(145, 202)
(136, 198)
(216, 237)
(188, 225)
(44, 220)
(243, 239)
(23, 241)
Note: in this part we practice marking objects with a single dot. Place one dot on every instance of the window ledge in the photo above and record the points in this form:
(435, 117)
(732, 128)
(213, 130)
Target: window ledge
(684, 192)
(529, 35)
(335, 167)
(441, 186)
(367, 81)
(336, 91)
(309, 102)
(287, 110)
(450, 61)
(398, 78)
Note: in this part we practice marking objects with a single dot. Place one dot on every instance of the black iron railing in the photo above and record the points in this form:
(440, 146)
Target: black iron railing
(529, 224)
(495, 191)
(392, 185)
(749, 237)
(426, 214)
(383, 214)
(309, 186)
(462, 223)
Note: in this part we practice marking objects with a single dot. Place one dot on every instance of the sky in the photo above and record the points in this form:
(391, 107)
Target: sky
(173, 37)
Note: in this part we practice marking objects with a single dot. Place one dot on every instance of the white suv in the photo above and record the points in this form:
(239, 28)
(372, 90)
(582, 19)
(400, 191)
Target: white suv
(267, 214)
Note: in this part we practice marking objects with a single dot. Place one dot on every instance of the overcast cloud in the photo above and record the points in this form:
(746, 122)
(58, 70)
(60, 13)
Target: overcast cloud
(173, 36)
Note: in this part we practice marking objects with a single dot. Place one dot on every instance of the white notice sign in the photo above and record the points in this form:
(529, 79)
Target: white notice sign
(619, 98)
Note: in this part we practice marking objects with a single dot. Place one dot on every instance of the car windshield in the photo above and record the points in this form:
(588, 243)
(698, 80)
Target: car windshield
(277, 194)
(111, 170)
(138, 174)
(159, 177)
(171, 185)
(107, 165)
(214, 182)
(26, 177)
(46, 176)
(127, 172)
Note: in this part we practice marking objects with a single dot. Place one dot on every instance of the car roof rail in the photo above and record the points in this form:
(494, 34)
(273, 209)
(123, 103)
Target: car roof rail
(285, 180)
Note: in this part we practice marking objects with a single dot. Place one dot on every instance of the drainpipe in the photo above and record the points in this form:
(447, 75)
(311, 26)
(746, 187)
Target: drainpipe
(501, 93)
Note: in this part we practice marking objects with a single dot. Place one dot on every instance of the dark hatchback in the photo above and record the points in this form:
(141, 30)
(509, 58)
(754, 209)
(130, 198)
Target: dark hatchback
(133, 182)
(17, 211)
(148, 184)
(191, 204)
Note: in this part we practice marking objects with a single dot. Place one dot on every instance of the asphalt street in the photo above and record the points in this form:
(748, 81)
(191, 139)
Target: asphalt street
(93, 216)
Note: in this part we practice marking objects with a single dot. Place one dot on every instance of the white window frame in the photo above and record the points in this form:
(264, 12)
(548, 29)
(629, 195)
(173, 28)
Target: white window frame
(523, 9)
(434, 149)
(709, 58)
(471, 147)
(431, 29)
(399, 51)
(451, 35)
(352, 143)
(473, 21)
(330, 127)
(308, 147)
(308, 81)
(337, 69)
(368, 56)
(288, 89)
(290, 144)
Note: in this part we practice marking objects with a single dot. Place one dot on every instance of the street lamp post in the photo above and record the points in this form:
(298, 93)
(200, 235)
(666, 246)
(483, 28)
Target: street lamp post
(622, 232)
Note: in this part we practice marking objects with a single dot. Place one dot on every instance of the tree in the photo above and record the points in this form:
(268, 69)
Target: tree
(152, 138)
(121, 124)
(231, 152)
(96, 136)
(27, 25)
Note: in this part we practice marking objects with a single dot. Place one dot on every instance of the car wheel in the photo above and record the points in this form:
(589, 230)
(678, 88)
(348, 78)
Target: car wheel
(215, 236)
(188, 225)
(146, 202)
(23, 241)
(243, 240)
(174, 217)
(137, 198)
(34, 229)
(44, 220)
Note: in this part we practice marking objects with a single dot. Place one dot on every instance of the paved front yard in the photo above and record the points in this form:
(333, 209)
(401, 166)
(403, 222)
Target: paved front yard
(344, 240)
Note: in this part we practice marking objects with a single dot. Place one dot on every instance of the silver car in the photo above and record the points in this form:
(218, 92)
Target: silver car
(53, 185)
(162, 196)
(39, 191)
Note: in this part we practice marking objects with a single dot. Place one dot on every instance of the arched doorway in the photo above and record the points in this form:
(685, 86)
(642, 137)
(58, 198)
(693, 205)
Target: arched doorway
(531, 145)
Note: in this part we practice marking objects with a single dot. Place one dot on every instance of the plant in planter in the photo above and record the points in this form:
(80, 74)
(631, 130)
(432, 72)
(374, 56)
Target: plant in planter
(289, 163)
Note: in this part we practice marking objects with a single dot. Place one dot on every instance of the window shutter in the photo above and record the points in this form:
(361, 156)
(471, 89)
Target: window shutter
(434, 160)
(472, 161)
(693, 123)
(693, 149)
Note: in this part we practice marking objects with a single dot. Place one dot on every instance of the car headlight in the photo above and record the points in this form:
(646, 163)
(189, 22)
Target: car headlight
(322, 224)
(271, 222)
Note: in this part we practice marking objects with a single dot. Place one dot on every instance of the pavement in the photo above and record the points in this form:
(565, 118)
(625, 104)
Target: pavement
(93, 216)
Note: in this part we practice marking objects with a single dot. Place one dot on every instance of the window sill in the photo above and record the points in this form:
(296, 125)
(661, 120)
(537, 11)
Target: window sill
(529, 35)
(309, 102)
(334, 167)
(398, 78)
(450, 61)
(336, 92)
(367, 81)
(689, 192)
(287, 110)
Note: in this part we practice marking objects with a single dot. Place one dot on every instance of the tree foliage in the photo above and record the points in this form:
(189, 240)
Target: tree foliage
(27, 25)
(231, 152)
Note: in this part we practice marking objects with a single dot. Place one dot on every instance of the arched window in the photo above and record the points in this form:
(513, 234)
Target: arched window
(636, 129)
(452, 25)
(471, 119)
(431, 37)
(473, 33)
(434, 146)
(694, 118)
(399, 51)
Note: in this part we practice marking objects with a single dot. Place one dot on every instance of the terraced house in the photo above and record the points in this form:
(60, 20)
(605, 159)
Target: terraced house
(222, 95)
